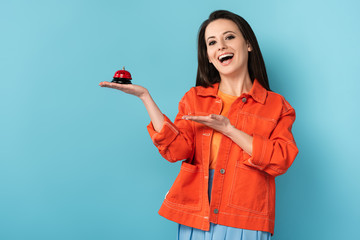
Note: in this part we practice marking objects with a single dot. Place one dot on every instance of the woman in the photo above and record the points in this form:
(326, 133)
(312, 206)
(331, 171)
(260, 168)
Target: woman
(233, 134)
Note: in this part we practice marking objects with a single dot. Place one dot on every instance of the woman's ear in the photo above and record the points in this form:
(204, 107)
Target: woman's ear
(249, 47)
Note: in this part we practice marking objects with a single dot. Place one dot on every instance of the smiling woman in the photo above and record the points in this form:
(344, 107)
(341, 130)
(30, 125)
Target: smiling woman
(232, 133)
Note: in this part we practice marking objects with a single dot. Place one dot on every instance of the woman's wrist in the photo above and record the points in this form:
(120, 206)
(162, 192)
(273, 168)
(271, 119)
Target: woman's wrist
(241, 138)
(229, 131)
(145, 95)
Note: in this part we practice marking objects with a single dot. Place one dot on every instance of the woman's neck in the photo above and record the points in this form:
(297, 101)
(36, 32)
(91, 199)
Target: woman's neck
(235, 85)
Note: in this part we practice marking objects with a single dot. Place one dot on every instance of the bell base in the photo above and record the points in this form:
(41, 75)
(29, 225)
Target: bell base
(121, 81)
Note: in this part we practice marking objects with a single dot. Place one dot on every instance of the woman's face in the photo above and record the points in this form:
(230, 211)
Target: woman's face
(227, 49)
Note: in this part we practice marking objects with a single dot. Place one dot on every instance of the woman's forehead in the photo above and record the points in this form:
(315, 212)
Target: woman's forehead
(219, 27)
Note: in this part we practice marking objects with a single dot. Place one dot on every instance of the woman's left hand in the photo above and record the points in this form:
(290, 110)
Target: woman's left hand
(217, 122)
(222, 124)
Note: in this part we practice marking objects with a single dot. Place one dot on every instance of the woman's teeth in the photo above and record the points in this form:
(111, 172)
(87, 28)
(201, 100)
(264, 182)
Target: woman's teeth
(225, 57)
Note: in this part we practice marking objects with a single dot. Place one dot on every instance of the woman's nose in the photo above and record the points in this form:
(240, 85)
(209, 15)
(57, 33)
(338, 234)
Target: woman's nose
(221, 45)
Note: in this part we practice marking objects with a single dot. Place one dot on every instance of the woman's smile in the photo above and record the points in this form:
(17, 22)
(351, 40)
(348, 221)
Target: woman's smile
(225, 58)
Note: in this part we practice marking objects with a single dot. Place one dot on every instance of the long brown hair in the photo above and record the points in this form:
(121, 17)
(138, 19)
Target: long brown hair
(207, 74)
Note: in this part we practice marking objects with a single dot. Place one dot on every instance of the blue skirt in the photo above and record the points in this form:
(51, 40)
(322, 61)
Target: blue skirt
(219, 232)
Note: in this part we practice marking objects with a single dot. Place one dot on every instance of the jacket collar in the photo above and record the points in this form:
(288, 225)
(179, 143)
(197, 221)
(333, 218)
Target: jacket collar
(257, 92)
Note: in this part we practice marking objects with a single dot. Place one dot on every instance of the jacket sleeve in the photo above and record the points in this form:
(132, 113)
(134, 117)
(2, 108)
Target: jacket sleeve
(276, 154)
(175, 141)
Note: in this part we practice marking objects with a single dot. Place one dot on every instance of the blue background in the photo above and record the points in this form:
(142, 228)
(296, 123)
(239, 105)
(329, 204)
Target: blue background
(76, 161)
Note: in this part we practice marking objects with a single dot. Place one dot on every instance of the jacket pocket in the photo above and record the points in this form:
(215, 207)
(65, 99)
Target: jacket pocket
(250, 190)
(253, 124)
(186, 192)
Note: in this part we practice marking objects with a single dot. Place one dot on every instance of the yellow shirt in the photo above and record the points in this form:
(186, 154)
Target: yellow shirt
(227, 100)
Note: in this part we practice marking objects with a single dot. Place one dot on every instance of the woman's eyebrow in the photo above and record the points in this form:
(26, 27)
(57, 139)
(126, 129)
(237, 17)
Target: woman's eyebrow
(223, 34)
(228, 32)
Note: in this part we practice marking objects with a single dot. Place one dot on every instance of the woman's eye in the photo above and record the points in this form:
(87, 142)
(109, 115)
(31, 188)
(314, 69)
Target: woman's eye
(230, 37)
(212, 43)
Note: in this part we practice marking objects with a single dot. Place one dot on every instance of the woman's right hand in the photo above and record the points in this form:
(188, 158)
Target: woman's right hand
(132, 89)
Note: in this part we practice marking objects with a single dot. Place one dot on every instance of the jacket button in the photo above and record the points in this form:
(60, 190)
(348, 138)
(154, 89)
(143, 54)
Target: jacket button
(222, 171)
(244, 99)
(216, 211)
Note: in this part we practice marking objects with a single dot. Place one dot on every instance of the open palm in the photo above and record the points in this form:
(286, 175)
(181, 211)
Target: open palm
(132, 89)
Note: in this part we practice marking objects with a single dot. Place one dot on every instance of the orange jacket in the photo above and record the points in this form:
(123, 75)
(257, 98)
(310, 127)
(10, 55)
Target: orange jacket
(243, 190)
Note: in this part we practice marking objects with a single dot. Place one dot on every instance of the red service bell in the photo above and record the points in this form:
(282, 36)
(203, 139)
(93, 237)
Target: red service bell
(122, 76)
